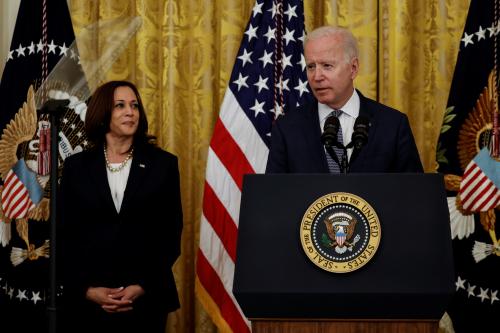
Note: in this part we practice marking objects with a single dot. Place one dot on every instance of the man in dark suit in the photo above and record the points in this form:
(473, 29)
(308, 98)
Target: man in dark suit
(332, 63)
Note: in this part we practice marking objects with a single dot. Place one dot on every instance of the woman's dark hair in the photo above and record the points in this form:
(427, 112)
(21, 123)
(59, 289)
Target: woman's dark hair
(100, 107)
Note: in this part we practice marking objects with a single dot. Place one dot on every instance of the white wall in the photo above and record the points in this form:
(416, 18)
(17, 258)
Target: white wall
(8, 15)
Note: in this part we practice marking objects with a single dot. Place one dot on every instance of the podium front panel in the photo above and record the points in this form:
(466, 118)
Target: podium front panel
(410, 276)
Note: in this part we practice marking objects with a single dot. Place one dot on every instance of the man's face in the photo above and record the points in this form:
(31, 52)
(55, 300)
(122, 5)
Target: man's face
(329, 72)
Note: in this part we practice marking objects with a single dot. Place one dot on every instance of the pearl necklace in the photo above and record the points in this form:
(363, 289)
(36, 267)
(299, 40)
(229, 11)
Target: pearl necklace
(122, 164)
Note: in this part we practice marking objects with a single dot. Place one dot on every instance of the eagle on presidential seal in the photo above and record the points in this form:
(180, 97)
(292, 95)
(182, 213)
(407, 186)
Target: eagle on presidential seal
(340, 228)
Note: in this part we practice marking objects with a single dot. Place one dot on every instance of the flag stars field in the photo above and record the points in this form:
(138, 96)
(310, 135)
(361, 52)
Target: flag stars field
(258, 108)
(31, 48)
(302, 62)
(266, 59)
(257, 8)
(288, 37)
(261, 83)
(460, 284)
(494, 29)
(302, 87)
(21, 50)
(481, 33)
(494, 296)
(52, 47)
(468, 39)
(21, 294)
(470, 290)
(241, 82)
(35, 297)
(283, 84)
(286, 61)
(483, 295)
(245, 57)
(63, 49)
(251, 32)
(274, 9)
(270, 34)
(290, 12)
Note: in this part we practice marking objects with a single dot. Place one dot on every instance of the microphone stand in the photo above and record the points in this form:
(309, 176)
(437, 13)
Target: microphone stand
(345, 163)
(54, 108)
(344, 168)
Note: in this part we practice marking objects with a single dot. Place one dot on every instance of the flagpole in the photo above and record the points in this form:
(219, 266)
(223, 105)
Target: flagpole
(54, 109)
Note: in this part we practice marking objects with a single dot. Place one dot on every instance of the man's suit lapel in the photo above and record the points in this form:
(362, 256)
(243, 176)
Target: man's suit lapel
(358, 156)
(312, 121)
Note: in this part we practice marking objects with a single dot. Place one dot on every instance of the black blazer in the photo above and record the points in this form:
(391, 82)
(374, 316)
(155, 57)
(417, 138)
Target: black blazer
(296, 142)
(139, 245)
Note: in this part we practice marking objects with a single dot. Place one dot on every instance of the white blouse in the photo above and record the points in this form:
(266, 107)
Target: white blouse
(118, 182)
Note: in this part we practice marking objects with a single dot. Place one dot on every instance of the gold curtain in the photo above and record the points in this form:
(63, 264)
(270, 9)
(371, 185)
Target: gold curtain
(182, 57)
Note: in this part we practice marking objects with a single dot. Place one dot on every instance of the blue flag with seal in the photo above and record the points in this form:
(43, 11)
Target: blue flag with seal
(42, 37)
(467, 155)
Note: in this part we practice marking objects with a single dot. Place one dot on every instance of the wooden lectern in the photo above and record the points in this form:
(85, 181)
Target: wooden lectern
(405, 287)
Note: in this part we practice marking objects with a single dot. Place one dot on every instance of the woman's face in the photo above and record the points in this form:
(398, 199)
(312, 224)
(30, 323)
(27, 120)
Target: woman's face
(125, 115)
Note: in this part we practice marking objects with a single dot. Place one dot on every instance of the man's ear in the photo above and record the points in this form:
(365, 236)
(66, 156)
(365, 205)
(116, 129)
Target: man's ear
(354, 67)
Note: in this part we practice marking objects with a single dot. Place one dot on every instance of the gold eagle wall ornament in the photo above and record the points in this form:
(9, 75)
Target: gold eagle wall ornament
(477, 128)
(19, 131)
(476, 133)
(26, 137)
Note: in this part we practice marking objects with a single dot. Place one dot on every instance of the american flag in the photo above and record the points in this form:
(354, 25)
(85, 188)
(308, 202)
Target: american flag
(268, 78)
(21, 191)
(480, 185)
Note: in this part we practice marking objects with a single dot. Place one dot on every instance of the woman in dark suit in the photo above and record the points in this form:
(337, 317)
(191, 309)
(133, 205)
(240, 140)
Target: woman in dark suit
(121, 221)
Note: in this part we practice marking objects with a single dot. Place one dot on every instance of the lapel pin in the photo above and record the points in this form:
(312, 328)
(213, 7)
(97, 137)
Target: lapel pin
(142, 165)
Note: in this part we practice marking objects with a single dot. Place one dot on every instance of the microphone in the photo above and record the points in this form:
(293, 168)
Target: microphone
(360, 134)
(330, 130)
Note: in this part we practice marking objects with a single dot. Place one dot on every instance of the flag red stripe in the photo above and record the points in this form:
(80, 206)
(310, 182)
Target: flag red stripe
(12, 206)
(470, 175)
(9, 203)
(470, 169)
(23, 194)
(9, 177)
(212, 283)
(21, 207)
(230, 154)
(473, 190)
(476, 197)
(489, 200)
(222, 223)
(12, 189)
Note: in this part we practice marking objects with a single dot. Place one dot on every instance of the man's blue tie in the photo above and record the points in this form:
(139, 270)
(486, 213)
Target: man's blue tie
(332, 165)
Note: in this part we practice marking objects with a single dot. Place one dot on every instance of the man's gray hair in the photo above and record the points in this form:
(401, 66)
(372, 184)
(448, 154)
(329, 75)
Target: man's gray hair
(350, 44)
